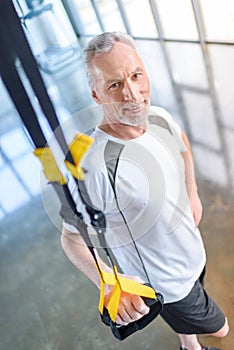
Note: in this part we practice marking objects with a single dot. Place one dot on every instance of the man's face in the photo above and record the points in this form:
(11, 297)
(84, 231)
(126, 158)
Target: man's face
(121, 85)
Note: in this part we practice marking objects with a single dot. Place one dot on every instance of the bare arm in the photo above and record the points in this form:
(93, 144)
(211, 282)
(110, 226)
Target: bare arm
(190, 179)
(80, 256)
(131, 307)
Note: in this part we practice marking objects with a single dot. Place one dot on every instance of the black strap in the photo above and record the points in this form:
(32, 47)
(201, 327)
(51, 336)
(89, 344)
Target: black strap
(14, 46)
(112, 154)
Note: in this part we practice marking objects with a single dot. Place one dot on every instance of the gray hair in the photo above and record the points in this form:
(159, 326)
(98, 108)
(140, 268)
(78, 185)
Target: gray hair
(100, 44)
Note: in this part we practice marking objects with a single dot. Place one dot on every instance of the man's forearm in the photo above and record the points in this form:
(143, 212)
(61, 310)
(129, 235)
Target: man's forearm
(79, 254)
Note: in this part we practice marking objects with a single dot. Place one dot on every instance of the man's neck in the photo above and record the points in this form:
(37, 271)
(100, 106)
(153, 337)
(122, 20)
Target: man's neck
(123, 131)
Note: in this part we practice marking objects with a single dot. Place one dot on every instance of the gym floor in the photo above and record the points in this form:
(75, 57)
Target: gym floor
(45, 302)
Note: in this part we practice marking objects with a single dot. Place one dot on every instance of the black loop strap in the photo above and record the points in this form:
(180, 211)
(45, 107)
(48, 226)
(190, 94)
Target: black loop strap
(14, 45)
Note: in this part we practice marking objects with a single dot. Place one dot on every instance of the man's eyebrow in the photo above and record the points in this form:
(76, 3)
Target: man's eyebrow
(137, 70)
(114, 80)
(117, 79)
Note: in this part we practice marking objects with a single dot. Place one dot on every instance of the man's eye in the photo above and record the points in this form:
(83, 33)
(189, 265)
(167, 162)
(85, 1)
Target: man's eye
(137, 75)
(114, 86)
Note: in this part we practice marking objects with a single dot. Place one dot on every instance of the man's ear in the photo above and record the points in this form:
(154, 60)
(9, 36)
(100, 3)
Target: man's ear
(95, 97)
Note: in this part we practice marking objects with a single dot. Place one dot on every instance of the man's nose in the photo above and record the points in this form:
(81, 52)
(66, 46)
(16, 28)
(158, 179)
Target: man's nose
(130, 92)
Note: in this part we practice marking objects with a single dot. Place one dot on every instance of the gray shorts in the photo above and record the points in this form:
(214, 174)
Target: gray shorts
(197, 313)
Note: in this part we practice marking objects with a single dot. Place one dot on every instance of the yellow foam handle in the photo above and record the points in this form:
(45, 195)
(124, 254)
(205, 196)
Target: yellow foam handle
(50, 168)
(113, 304)
(75, 170)
(120, 283)
(101, 297)
(105, 278)
(79, 146)
(136, 288)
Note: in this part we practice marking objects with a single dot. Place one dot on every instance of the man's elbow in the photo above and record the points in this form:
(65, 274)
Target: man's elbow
(65, 238)
(69, 238)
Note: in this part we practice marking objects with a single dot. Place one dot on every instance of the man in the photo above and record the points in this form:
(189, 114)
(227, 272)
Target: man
(163, 228)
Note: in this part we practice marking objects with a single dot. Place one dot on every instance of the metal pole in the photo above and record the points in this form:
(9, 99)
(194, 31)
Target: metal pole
(213, 94)
(98, 15)
(175, 86)
(124, 17)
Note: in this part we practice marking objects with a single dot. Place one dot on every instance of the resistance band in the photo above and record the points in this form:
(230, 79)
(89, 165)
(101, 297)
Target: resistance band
(15, 45)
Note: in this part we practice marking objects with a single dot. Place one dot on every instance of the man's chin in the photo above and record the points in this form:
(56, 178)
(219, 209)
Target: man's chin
(130, 120)
(133, 121)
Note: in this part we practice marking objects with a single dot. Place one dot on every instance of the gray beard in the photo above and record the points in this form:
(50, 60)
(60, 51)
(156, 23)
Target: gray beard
(136, 121)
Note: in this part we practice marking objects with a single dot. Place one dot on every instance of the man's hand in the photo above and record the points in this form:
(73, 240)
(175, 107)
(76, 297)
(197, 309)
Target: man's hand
(131, 306)
(196, 207)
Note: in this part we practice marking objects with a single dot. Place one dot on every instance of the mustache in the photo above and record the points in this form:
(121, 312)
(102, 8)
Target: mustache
(118, 107)
(132, 105)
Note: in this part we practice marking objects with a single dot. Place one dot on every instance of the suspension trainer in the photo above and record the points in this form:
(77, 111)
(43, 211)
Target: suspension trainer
(14, 46)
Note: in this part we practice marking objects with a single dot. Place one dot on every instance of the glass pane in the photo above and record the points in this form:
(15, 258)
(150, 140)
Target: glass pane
(29, 169)
(187, 64)
(87, 16)
(1, 161)
(229, 137)
(222, 58)
(140, 18)
(13, 195)
(177, 19)
(6, 103)
(48, 26)
(14, 143)
(201, 119)
(110, 14)
(210, 165)
(64, 21)
(219, 19)
(1, 214)
(50, 34)
(162, 93)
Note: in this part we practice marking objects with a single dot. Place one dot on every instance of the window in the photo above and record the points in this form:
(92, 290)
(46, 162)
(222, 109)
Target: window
(110, 15)
(85, 17)
(177, 19)
(184, 57)
(140, 18)
(218, 19)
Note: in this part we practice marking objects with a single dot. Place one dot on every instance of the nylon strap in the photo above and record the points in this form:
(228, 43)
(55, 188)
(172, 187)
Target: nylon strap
(14, 42)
